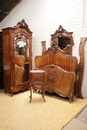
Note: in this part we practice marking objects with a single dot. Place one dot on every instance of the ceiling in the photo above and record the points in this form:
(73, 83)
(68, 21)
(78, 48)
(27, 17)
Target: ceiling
(6, 6)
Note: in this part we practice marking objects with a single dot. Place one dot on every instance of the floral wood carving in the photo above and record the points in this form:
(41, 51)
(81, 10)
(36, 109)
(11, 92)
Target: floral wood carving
(51, 77)
(80, 67)
(22, 24)
(54, 47)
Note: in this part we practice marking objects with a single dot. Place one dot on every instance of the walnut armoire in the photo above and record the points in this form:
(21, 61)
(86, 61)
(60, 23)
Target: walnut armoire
(17, 57)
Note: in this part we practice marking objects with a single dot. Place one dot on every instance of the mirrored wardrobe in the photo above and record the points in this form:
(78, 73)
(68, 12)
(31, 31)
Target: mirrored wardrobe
(17, 57)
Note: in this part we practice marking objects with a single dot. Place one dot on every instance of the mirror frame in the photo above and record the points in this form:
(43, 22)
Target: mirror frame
(23, 39)
(61, 32)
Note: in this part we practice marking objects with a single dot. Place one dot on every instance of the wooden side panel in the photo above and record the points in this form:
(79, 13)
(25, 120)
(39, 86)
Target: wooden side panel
(81, 67)
(6, 60)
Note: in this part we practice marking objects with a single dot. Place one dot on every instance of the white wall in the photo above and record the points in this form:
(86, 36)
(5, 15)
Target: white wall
(44, 17)
(84, 83)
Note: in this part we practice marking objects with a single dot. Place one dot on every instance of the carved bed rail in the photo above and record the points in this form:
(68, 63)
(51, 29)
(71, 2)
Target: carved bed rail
(59, 81)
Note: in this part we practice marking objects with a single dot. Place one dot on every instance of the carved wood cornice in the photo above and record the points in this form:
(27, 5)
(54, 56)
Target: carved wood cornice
(22, 24)
(61, 31)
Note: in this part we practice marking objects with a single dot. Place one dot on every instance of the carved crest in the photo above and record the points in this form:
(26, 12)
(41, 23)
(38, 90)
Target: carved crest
(54, 47)
(60, 29)
(22, 24)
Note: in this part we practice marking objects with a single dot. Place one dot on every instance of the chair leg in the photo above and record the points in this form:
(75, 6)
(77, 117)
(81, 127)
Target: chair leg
(43, 92)
(30, 94)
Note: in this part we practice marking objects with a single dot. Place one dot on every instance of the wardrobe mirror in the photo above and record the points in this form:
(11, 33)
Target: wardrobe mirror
(21, 59)
(22, 46)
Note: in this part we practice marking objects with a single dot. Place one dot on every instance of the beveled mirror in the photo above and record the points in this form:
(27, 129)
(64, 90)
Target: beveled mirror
(21, 59)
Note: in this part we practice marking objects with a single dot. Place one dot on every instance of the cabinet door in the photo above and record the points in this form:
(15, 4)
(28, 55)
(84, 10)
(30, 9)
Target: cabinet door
(21, 59)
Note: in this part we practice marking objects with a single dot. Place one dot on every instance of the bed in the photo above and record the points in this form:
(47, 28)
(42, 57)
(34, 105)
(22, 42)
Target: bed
(60, 72)
(59, 65)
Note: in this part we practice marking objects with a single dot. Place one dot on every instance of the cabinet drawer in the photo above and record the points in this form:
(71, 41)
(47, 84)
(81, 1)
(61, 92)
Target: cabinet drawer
(37, 78)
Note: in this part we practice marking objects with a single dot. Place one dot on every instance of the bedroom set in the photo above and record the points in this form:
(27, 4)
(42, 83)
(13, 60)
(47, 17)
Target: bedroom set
(56, 70)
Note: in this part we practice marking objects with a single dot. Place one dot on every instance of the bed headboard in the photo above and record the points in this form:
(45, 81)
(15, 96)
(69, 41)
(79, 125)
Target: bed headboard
(57, 57)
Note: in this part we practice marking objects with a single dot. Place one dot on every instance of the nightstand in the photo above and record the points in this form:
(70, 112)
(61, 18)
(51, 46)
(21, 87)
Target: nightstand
(37, 82)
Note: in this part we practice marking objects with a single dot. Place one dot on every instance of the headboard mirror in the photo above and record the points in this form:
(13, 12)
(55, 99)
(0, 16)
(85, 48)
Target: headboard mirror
(63, 40)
